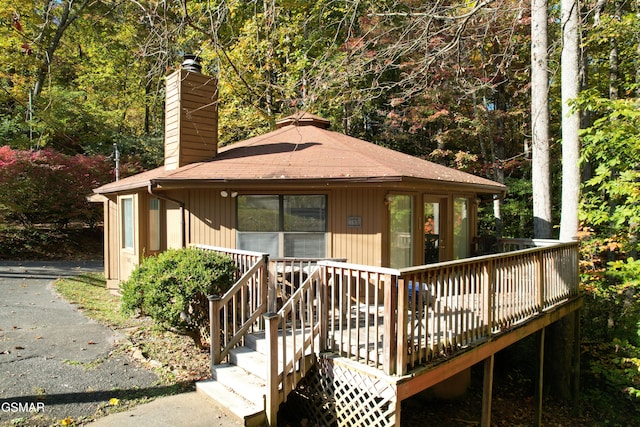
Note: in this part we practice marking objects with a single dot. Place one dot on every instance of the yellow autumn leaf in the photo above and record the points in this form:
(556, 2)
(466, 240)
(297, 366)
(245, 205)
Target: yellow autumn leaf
(114, 402)
(66, 422)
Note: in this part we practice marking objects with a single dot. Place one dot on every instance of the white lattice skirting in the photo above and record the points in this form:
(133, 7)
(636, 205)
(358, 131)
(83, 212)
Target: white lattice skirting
(337, 394)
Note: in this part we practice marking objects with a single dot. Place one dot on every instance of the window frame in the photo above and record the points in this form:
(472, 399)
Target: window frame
(282, 234)
(127, 224)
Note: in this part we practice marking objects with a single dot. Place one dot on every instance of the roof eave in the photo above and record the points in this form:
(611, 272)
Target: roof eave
(176, 183)
(114, 188)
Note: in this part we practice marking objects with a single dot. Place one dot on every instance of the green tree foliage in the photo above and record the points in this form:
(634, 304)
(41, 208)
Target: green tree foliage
(65, 87)
(609, 209)
(172, 288)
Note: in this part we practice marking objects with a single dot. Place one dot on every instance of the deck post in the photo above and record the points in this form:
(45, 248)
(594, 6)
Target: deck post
(214, 329)
(540, 281)
(575, 381)
(539, 383)
(272, 399)
(488, 292)
(487, 391)
(268, 286)
(396, 297)
(323, 309)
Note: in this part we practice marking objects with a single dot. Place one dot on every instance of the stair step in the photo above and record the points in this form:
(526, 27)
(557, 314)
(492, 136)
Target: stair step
(250, 360)
(252, 387)
(257, 341)
(250, 414)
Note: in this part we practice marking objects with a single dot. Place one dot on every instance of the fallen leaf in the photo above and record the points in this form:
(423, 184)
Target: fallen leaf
(66, 422)
(92, 343)
(38, 337)
(114, 402)
(19, 347)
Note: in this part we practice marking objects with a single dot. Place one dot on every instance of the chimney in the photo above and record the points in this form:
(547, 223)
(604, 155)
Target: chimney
(191, 115)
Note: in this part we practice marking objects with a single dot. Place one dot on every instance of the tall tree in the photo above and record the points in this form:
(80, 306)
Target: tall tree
(570, 68)
(540, 174)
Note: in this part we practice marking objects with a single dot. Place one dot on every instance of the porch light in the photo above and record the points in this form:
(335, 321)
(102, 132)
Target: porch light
(225, 193)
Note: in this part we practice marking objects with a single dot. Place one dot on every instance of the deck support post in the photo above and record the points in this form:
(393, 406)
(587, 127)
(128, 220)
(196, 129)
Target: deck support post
(575, 381)
(487, 391)
(272, 398)
(214, 329)
(539, 383)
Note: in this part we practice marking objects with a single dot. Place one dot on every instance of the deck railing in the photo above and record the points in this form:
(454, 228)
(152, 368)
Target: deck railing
(445, 307)
(393, 320)
(241, 308)
(293, 336)
(285, 277)
(358, 315)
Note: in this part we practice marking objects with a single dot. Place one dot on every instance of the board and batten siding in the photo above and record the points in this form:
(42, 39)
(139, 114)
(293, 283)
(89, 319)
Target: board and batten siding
(211, 218)
(357, 218)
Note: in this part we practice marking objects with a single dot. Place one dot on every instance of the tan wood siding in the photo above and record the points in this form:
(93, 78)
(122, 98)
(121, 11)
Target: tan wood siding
(191, 119)
(358, 244)
(212, 218)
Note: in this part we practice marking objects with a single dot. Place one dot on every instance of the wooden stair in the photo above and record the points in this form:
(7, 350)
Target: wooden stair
(240, 384)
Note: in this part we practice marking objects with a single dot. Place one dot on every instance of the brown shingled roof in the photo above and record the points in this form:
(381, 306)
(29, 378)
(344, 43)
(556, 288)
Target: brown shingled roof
(303, 149)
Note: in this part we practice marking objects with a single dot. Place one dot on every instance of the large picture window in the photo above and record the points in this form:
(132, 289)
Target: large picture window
(283, 225)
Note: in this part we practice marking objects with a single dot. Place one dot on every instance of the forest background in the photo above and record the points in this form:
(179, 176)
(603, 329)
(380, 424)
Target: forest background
(448, 81)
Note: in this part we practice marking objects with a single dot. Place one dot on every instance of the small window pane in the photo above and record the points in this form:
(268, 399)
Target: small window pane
(127, 223)
(154, 224)
(259, 242)
(304, 245)
(305, 213)
(258, 213)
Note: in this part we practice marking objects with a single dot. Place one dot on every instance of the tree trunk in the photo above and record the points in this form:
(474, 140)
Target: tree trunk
(570, 68)
(540, 175)
(562, 336)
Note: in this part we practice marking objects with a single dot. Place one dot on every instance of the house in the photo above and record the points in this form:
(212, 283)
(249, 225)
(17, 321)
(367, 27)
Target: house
(301, 190)
(363, 335)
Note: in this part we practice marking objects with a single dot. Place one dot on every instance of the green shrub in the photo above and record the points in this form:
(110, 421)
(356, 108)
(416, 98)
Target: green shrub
(172, 288)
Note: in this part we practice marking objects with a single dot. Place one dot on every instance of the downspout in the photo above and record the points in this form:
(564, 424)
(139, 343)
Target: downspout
(183, 237)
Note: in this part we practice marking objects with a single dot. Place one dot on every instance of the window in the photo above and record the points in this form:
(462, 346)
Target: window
(461, 238)
(154, 224)
(283, 225)
(401, 243)
(127, 222)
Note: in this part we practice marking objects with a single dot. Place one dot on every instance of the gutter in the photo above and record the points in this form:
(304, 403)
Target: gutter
(183, 236)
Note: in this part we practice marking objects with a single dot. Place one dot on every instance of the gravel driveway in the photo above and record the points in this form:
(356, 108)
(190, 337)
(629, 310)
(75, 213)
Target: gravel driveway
(53, 360)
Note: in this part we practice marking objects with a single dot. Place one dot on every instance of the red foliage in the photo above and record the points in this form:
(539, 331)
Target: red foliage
(46, 186)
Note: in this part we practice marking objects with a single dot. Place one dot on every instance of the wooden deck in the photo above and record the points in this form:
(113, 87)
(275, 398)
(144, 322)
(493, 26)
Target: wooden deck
(394, 331)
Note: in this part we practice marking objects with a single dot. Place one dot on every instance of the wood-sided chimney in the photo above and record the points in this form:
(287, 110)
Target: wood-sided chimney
(191, 115)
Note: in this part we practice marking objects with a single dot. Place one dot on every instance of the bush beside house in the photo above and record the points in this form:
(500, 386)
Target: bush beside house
(173, 288)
